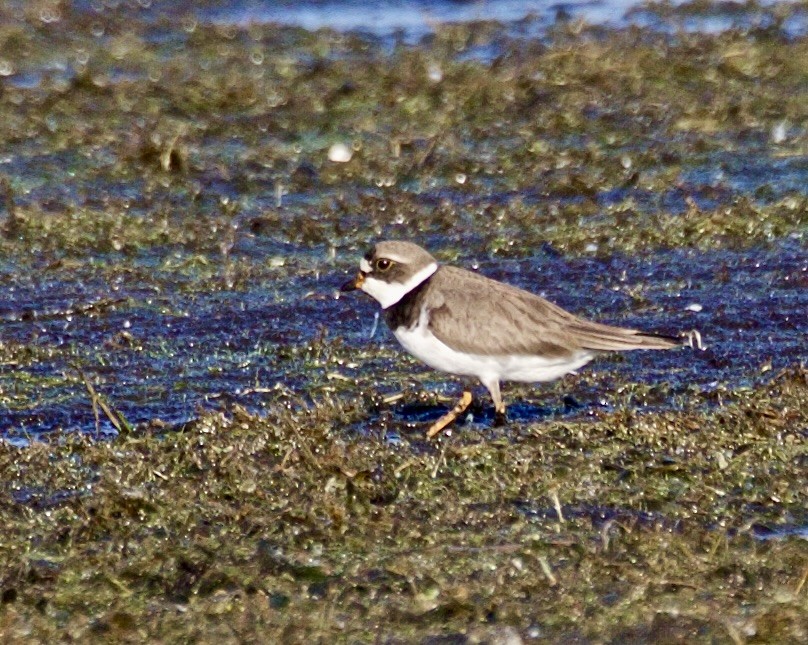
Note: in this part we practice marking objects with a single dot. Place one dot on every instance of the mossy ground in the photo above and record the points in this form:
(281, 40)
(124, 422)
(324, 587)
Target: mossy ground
(196, 163)
(284, 527)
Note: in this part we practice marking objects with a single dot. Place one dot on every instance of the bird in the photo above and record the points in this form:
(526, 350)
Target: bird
(463, 323)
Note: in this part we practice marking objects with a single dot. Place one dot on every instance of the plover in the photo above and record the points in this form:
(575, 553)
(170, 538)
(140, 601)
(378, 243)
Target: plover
(463, 323)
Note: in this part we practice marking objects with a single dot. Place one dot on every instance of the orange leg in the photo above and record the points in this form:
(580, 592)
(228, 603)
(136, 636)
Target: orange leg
(450, 417)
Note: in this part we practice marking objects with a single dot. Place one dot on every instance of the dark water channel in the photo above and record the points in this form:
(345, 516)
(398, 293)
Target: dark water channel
(163, 354)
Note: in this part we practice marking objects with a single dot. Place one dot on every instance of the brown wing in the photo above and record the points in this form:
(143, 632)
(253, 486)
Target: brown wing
(472, 313)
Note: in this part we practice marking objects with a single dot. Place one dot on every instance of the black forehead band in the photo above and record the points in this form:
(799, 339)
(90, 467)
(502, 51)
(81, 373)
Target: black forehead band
(369, 255)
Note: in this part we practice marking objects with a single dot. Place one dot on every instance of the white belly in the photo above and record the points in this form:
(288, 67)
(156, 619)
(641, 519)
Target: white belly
(421, 343)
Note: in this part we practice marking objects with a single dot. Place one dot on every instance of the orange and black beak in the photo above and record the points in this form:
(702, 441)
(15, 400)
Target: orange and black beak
(354, 284)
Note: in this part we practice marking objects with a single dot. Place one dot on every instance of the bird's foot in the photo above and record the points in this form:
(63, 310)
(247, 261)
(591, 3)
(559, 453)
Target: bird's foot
(500, 418)
(450, 417)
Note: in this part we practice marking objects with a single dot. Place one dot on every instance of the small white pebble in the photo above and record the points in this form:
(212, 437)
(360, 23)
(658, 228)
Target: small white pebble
(591, 247)
(694, 306)
(340, 153)
(435, 73)
(505, 636)
(779, 132)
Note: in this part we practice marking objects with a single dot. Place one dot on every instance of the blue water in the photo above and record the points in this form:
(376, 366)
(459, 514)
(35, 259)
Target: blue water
(159, 352)
(417, 18)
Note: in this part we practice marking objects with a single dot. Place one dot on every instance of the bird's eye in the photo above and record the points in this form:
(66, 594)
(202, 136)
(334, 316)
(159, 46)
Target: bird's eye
(383, 264)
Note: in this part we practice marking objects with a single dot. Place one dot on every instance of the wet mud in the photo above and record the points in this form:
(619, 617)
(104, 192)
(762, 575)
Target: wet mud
(201, 439)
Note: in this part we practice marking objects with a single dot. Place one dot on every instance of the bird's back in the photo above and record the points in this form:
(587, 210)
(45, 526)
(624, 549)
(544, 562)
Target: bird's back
(472, 313)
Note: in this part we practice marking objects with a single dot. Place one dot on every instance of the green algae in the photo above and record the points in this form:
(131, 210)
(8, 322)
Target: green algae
(306, 523)
(587, 115)
(286, 525)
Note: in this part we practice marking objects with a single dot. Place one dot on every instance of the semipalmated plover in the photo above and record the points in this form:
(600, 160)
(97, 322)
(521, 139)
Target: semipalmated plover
(463, 323)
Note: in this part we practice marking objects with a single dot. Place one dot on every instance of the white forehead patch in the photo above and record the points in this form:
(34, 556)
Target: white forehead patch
(364, 265)
(389, 293)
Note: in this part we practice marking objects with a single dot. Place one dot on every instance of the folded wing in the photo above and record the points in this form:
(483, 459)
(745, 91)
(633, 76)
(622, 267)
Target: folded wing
(478, 315)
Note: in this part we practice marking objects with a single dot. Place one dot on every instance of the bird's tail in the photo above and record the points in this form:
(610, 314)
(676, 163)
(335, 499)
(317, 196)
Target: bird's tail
(606, 338)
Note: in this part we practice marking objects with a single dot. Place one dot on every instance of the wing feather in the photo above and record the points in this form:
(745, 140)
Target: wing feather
(474, 314)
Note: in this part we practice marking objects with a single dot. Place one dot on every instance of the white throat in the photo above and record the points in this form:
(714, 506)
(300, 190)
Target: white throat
(389, 293)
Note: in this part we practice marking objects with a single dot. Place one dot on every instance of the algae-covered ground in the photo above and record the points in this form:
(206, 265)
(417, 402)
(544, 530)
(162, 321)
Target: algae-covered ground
(200, 441)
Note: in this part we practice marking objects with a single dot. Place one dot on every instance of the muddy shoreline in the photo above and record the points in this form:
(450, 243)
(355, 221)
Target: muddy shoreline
(198, 439)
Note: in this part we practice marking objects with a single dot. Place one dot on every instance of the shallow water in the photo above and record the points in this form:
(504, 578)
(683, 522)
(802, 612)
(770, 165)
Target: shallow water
(163, 354)
(416, 19)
